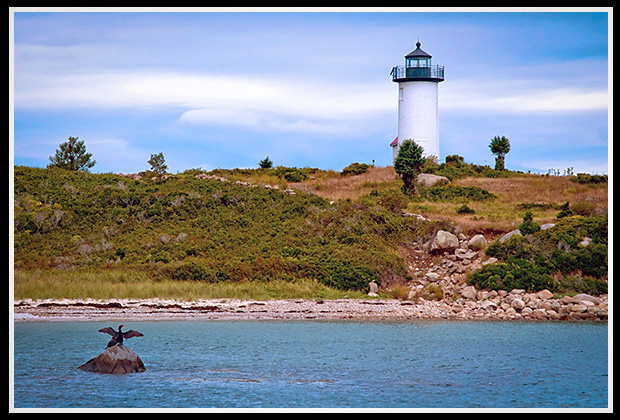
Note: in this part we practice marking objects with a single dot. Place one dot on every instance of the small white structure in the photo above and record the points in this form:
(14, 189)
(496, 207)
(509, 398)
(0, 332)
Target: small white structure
(418, 83)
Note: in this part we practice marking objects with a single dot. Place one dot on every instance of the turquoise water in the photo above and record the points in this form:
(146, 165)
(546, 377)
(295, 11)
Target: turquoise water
(318, 364)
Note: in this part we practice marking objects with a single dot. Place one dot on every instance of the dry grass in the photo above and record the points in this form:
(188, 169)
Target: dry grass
(339, 187)
(121, 284)
(492, 217)
(505, 213)
(540, 189)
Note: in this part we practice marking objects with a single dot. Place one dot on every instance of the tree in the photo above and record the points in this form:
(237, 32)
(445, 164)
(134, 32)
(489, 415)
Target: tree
(158, 163)
(408, 164)
(72, 155)
(499, 146)
(265, 163)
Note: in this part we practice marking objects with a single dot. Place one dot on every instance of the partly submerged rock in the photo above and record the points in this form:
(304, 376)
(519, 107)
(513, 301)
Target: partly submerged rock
(115, 359)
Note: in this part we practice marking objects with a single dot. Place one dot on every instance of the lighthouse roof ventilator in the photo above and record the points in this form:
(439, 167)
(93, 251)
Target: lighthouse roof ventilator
(418, 83)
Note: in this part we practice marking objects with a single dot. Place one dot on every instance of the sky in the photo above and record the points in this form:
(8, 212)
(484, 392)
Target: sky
(224, 88)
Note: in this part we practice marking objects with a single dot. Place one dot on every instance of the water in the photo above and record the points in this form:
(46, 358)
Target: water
(250, 364)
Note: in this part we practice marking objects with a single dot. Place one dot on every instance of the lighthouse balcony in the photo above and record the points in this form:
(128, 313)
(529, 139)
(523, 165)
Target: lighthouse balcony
(433, 73)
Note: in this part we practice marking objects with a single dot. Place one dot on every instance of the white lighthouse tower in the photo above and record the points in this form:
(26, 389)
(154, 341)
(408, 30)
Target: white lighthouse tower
(418, 83)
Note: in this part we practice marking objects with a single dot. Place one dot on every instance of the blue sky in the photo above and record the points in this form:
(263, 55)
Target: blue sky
(223, 89)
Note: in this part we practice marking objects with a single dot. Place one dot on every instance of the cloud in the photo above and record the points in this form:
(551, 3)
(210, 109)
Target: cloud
(239, 101)
(519, 98)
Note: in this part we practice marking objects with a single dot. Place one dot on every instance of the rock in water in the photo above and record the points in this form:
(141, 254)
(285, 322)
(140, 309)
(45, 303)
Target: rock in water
(116, 359)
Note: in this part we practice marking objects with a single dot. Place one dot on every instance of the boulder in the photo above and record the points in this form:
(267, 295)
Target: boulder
(444, 240)
(476, 243)
(115, 359)
(508, 235)
(544, 294)
(464, 254)
(488, 305)
(428, 180)
(581, 297)
(374, 288)
(469, 292)
(518, 304)
(491, 260)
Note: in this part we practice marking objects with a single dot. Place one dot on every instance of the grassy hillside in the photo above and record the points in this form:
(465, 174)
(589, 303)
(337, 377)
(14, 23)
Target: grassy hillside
(105, 235)
(186, 229)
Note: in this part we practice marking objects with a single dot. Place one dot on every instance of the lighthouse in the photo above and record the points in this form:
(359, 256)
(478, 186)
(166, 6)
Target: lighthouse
(418, 83)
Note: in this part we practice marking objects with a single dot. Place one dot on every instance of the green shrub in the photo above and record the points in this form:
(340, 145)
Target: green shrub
(556, 250)
(582, 178)
(355, 169)
(455, 193)
(579, 284)
(515, 273)
(191, 270)
(465, 209)
(528, 226)
(564, 211)
(291, 174)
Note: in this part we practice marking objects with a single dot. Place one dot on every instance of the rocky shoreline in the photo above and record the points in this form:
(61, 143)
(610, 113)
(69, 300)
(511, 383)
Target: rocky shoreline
(514, 305)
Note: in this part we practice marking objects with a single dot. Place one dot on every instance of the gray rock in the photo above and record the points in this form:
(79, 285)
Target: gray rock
(477, 242)
(464, 254)
(585, 297)
(432, 276)
(509, 234)
(444, 240)
(547, 226)
(374, 288)
(469, 292)
(491, 260)
(544, 294)
(428, 180)
(115, 359)
(518, 304)
(488, 305)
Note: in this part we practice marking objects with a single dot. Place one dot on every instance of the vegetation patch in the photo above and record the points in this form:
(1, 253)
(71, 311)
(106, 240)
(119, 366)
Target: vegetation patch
(189, 229)
(570, 256)
(455, 193)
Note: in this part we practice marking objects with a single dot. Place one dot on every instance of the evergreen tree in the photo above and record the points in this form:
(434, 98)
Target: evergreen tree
(72, 155)
(265, 163)
(408, 165)
(158, 163)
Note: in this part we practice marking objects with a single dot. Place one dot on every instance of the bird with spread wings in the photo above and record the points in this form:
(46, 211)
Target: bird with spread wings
(119, 336)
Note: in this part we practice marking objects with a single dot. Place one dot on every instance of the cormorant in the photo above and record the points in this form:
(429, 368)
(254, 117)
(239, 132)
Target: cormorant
(118, 337)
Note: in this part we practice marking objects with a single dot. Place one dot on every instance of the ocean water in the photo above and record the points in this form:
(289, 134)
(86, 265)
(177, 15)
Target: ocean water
(318, 364)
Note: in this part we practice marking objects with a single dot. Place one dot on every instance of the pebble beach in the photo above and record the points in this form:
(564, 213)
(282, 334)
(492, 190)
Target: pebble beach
(514, 305)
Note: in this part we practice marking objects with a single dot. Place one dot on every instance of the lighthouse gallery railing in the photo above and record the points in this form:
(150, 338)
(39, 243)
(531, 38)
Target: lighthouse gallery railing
(432, 72)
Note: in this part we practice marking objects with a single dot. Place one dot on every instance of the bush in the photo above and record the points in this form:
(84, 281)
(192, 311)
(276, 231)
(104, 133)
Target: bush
(555, 250)
(516, 273)
(582, 178)
(455, 193)
(528, 226)
(291, 174)
(465, 209)
(355, 169)
(191, 270)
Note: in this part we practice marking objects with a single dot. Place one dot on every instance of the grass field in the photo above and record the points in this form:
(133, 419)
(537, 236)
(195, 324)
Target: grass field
(515, 195)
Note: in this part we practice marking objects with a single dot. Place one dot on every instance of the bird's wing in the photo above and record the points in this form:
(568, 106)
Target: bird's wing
(108, 330)
(132, 333)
